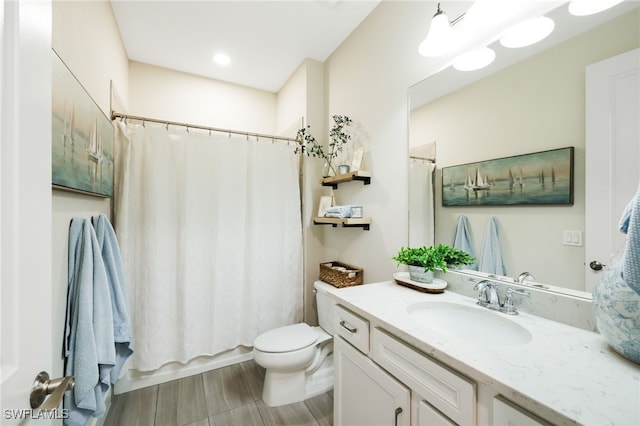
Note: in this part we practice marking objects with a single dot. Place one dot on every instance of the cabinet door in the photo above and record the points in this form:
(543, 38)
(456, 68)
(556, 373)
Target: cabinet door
(423, 414)
(364, 394)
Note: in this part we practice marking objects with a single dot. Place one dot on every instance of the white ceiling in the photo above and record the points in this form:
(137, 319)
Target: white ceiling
(266, 40)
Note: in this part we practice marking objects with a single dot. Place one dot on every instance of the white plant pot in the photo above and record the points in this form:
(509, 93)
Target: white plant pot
(417, 273)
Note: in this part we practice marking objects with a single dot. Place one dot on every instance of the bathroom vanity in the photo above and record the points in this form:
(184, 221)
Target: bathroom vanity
(403, 357)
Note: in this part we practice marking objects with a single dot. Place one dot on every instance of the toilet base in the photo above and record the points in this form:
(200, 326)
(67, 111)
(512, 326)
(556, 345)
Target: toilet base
(288, 388)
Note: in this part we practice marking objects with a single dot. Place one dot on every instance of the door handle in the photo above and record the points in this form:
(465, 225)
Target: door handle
(595, 265)
(43, 386)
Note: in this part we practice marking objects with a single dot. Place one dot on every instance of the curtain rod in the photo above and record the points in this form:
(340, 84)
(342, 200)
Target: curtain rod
(430, 160)
(116, 115)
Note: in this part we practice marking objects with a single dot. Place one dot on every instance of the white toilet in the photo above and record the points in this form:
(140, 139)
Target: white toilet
(298, 358)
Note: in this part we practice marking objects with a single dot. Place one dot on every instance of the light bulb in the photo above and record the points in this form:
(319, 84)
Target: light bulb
(474, 59)
(528, 32)
(589, 7)
(441, 38)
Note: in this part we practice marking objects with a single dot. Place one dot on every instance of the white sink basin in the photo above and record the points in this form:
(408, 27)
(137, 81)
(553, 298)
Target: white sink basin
(469, 322)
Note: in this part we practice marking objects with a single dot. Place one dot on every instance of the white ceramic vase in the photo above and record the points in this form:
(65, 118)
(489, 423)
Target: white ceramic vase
(616, 307)
(417, 273)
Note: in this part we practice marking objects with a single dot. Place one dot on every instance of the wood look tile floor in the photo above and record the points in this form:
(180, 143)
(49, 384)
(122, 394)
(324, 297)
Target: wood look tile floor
(230, 396)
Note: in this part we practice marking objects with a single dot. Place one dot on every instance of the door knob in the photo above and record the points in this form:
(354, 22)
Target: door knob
(596, 266)
(42, 387)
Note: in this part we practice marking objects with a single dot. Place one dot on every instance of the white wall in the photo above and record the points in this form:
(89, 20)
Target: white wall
(535, 105)
(86, 37)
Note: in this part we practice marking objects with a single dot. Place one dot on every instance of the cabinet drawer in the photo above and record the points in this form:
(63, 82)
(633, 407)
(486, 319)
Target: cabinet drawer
(447, 391)
(352, 328)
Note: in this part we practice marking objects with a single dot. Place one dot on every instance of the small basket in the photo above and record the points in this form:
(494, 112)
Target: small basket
(345, 276)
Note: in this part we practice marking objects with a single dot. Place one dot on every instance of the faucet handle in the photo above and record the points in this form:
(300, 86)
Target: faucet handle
(509, 307)
(482, 287)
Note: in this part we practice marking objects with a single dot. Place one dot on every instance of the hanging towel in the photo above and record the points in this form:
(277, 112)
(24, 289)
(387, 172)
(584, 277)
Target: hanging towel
(630, 225)
(117, 286)
(89, 350)
(462, 239)
(491, 257)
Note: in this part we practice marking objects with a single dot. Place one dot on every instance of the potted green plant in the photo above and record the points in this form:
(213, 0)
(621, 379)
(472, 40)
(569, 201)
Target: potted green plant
(422, 262)
(338, 136)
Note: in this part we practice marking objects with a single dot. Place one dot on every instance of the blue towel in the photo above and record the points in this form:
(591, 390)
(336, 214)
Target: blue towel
(89, 350)
(630, 224)
(462, 239)
(491, 257)
(117, 285)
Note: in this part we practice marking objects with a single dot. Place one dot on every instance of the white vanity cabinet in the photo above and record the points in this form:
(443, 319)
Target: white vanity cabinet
(395, 384)
(506, 413)
(365, 394)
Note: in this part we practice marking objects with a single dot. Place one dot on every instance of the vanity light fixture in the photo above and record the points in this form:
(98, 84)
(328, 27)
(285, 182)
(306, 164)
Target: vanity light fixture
(527, 32)
(590, 7)
(221, 59)
(441, 38)
(474, 59)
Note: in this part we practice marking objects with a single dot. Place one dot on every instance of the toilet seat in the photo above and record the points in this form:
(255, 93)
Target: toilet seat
(286, 339)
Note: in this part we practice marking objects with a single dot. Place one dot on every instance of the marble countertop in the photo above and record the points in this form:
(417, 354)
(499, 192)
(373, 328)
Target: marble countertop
(565, 374)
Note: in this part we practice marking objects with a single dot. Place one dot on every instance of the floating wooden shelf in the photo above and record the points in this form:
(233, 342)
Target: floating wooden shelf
(363, 223)
(333, 181)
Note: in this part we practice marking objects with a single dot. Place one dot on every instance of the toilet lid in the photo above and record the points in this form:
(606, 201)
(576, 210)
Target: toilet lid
(286, 339)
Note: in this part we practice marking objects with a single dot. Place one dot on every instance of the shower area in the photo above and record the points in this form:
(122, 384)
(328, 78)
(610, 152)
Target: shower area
(210, 230)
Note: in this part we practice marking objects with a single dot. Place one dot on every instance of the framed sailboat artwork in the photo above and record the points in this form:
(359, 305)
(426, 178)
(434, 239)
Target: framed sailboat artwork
(540, 178)
(82, 149)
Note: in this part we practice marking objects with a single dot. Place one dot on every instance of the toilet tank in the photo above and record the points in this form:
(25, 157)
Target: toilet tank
(325, 305)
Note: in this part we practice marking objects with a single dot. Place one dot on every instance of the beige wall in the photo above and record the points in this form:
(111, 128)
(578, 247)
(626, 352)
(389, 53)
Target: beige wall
(86, 37)
(368, 78)
(177, 96)
(532, 106)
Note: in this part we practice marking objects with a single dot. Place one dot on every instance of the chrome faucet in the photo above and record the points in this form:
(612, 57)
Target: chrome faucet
(488, 295)
(524, 276)
(509, 307)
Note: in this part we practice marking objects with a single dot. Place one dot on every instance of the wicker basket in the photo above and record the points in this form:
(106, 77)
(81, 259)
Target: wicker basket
(346, 276)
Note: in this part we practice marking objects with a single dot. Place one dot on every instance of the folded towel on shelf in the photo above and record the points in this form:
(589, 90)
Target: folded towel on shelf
(462, 239)
(630, 224)
(89, 349)
(117, 285)
(491, 256)
(339, 211)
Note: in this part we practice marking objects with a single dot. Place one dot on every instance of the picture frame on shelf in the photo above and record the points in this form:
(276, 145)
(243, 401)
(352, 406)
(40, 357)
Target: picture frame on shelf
(356, 161)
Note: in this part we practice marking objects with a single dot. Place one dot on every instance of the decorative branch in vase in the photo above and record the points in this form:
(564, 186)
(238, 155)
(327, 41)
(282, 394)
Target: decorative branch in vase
(338, 136)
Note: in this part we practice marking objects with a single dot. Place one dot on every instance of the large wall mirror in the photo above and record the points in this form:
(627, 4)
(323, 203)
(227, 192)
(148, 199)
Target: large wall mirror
(529, 100)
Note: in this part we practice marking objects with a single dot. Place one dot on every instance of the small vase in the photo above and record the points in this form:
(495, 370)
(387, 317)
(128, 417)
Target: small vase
(617, 311)
(417, 273)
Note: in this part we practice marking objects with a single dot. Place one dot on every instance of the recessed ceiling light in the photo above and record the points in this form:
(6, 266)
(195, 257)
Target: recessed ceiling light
(528, 32)
(221, 59)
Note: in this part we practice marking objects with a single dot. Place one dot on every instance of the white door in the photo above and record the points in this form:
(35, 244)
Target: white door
(365, 394)
(25, 203)
(612, 155)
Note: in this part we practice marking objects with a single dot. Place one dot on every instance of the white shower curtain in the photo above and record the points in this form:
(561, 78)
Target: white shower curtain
(421, 203)
(210, 233)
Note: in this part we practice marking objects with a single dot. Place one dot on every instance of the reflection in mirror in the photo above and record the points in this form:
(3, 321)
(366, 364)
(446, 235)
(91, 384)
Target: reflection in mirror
(534, 104)
(422, 195)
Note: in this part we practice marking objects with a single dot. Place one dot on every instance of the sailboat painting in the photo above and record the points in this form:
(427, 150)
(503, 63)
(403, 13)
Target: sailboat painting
(540, 178)
(82, 150)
